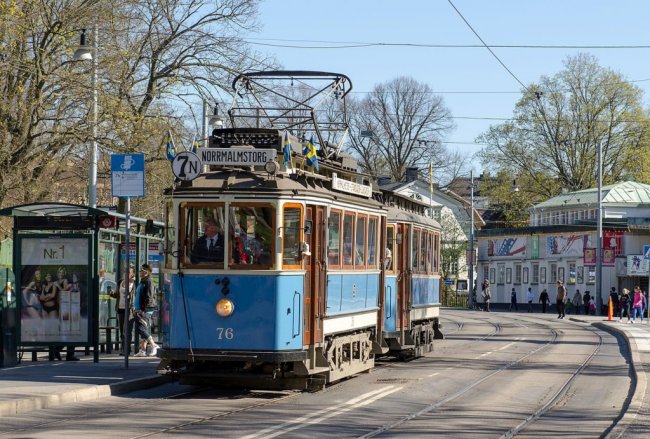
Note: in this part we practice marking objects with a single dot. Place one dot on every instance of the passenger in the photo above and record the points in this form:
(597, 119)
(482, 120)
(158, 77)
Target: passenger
(560, 299)
(544, 299)
(486, 295)
(530, 297)
(513, 300)
(388, 260)
(577, 301)
(625, 305)
(585, 301)
(637, 303)
(209, 247)
(143, 296)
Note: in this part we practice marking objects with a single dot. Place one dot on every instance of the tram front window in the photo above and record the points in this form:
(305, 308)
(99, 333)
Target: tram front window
(204, 235)
(251, 235)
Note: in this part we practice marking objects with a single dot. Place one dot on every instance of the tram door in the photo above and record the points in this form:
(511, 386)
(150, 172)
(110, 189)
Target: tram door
(403, 278)
(314, 287)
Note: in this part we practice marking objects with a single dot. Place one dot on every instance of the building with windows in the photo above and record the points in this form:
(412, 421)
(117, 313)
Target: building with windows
(560, 244)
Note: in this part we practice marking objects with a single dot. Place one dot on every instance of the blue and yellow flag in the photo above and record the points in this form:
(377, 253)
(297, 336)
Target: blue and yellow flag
(309, 151)
(287, 147)
(171, 149)
(196, 143)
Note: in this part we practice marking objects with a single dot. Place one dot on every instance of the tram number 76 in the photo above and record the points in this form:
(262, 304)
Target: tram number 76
(225, 333)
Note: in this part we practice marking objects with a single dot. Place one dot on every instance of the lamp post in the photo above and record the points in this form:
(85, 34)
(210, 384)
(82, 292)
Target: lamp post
(472, 289)
(599, 232)
(89, 53)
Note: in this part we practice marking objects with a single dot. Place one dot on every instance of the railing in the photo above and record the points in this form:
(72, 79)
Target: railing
(455, 299)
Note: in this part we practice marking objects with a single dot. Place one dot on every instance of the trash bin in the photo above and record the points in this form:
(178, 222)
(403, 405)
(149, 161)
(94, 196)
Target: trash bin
(8, 323)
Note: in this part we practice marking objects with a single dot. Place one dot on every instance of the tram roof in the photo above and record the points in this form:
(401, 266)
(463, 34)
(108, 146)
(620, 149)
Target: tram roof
(400, 215)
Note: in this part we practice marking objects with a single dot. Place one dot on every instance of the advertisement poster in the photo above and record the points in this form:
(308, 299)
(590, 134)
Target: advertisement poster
(637, 266)
(565, 245)
(55, 292)
(507, 247)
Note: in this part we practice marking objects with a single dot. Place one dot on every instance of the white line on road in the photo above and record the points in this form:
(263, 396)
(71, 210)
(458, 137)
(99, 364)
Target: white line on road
(433, 374)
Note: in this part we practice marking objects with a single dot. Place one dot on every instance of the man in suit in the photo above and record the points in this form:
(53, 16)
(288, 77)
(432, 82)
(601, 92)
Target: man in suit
(209, 247)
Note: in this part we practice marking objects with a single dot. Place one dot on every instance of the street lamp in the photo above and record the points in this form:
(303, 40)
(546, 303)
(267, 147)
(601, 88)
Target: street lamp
(89, 53)
(472, 290)
(599, 232)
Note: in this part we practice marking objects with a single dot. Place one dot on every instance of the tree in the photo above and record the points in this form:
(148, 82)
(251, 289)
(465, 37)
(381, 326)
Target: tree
(407, 121)
(552, 141)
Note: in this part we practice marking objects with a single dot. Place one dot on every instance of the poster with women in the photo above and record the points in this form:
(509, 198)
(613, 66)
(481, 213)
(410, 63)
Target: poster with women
(54, 289)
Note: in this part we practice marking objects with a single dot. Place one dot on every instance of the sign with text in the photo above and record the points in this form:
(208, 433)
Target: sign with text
(236, 156)
(127, 175)
(350, 187)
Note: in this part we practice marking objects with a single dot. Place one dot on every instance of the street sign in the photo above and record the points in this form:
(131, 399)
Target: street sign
(646, 252)
(449, 282)
(186, 166)
(127, 175)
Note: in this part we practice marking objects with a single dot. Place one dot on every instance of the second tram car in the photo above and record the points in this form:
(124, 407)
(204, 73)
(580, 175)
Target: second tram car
(293, 275)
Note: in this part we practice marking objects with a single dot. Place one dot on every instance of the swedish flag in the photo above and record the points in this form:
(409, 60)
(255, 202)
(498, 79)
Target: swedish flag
(287, 147)
(171, 149)
(195, 143)
(309, 151)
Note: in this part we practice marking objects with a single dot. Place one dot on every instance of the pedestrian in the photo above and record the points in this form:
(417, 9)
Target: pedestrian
(530, 297)
(585, 301)
(625, 305)
(592, 306)
(544, 299)
(560, 299)
(637, 303)
(513, 300)
(613, 295)
(486, 295)
(121, 306)
(144, 297)
(577, 301)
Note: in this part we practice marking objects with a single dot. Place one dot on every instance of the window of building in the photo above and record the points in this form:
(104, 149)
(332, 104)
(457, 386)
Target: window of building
(517, 274)
(553, 268)
(535, 277)
(501, 275)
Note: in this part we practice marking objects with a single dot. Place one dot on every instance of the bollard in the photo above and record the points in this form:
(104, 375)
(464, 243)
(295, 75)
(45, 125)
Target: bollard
(610, 309)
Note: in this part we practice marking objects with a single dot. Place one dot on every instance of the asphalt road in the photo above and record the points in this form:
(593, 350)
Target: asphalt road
(495, 375)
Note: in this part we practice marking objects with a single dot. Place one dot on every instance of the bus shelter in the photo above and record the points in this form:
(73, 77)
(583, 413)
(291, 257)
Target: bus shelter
(67, 260)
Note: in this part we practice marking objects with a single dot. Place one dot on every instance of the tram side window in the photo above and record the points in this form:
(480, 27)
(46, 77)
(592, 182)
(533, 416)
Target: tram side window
(372, 242)
(436, 253)
(251, 235)
(360, 244)
(170, 234)
(414, 250)
(204, 239)
(423, 251)
(334, 240)
(390, 254)
(291, 237)
(348, 235)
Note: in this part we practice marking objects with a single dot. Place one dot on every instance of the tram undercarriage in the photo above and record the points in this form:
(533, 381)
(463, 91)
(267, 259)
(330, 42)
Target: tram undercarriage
(415, 342)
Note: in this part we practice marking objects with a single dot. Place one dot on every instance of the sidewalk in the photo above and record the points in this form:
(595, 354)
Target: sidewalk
(36, 385)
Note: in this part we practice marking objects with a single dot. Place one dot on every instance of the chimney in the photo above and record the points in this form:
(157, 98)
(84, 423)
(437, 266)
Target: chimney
(411, 174)
(383, 180)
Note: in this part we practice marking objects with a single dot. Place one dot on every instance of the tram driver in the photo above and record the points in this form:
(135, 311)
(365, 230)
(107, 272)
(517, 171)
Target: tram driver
(209, 247)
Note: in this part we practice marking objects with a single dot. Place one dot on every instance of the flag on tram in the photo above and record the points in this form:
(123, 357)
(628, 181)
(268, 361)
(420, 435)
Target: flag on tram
(196, 143)
(287, 147)
(171, 149)
(310, 153)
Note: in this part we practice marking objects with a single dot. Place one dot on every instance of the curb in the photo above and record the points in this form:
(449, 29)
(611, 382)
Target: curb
(636, 403)
(83, 394)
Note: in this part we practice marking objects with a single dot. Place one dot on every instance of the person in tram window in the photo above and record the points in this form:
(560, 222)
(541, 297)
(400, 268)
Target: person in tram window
(209, 247)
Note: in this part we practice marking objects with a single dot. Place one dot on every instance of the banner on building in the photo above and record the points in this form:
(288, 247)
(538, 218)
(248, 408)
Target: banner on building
(515, 246)
(565, 245)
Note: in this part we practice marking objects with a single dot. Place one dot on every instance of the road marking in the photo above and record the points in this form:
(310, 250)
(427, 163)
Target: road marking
(321, 415)
(87, 378)
(484, 355)
(433, 374)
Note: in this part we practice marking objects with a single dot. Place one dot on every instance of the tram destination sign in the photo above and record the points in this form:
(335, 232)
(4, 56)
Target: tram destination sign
(236, 156)
(350, 187)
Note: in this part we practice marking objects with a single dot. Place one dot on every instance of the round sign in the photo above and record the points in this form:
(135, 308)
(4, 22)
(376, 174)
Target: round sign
(186, 166)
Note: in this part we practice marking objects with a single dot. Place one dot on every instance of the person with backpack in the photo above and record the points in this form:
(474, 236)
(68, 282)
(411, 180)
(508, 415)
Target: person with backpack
(585, 300)
(144, 298)
(625, 305)
(544, 300)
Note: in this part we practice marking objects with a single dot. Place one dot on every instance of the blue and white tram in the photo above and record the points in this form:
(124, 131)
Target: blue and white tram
(277, 278)
(412, 278)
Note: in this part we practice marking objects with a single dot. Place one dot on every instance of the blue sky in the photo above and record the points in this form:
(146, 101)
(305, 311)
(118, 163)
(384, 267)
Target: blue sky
(475, 87)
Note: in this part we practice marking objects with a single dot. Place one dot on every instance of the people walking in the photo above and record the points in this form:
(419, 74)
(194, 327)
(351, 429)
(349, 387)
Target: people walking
(560, 299)
(513, 300)
(486, 295)
(121, 307)
(144, 296)
(530, 297)
(577, 301)
(544, 299)
(585, 301)
(637, 303)
(625, 305)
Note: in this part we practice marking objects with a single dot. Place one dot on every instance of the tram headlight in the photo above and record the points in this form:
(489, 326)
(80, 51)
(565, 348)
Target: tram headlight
(225, 307)
(272, 167)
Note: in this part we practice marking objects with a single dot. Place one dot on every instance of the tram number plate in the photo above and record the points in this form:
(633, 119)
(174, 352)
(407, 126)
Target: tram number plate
(225, 333)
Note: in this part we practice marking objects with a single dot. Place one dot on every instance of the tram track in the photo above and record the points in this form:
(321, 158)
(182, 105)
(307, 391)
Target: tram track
(529, 420)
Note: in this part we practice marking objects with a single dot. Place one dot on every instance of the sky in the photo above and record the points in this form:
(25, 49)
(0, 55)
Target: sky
(475, 87)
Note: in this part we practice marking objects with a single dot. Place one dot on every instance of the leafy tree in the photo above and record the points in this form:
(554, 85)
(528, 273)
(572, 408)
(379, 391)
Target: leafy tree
(407, 121)
(552, 141)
